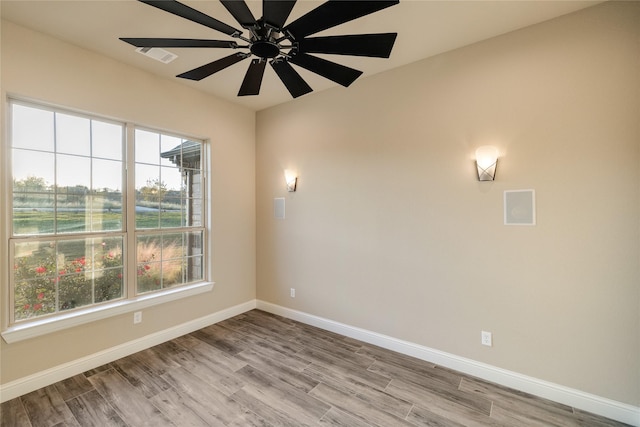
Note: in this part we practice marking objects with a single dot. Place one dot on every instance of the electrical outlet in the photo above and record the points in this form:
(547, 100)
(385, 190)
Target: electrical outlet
(486, 338)
(137, 317)
(293, 293)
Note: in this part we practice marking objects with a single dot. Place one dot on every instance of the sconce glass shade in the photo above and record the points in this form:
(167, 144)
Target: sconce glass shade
(291, 179)
(486, 162)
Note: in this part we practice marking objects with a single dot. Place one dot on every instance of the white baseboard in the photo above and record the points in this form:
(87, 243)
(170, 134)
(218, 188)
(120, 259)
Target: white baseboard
(41, 379)
(575, 398)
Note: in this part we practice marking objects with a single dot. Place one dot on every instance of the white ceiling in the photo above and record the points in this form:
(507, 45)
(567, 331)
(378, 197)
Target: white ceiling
(425, 28)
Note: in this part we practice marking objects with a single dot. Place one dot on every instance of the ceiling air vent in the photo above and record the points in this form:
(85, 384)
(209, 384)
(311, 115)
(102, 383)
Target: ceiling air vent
(158, 54)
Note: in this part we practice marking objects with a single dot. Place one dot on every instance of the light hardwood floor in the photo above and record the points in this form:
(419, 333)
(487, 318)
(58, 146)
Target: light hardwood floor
(257, 369)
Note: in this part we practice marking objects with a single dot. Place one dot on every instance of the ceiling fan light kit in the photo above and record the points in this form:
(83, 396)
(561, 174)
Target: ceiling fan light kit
(270, 40)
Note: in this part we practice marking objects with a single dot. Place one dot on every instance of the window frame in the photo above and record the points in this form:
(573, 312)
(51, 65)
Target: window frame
(13, 330)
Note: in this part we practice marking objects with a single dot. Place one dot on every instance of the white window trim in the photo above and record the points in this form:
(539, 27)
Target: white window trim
(59, 322)
(33, 328)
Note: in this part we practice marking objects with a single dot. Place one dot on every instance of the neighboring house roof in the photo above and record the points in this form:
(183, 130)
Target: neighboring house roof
(188, 149)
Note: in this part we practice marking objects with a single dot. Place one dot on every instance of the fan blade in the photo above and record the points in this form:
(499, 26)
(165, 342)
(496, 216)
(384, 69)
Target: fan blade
(335, 12)
(212, 67)
(276, 12)
(191, 14)
(155, 42)
(253, 79)
(291, 79)
(240, 11)
(338, 73)
(373, 45)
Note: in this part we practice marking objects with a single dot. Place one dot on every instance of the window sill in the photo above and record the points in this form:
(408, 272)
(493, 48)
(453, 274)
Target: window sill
(36, 328)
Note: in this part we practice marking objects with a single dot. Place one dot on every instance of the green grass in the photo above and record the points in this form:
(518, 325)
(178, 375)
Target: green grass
(36, 222)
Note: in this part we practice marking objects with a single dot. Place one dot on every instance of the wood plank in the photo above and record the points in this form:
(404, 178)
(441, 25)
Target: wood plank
(177, 408)
(389, 356)
(156, 360)
(181, 407)
(187, 341)
(140, 376)
(206, 401)
(220, 358)
(327, 341)
(356, 407)
(593, 420)
(45, 407)
(444, 415)
(438, 394)
(287, 370)
(423, 417)
(418, 374)
(430, 404)
(209, 370)
(336, 417)
(91, 409)
(248, 418)
(340, 352)
(128, 402)
(220, 340)
(372, 395)
(97, 370)
(268, 410)
(327, 367)
(282, 394)
(74, 386)
(512, 405)
(507, 395)
(264, 338)
(314, 331)
(261, 317)
(12, 413)
(273, 351)
(531, 416)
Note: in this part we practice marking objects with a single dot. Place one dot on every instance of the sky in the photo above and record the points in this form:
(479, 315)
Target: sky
(76, 138)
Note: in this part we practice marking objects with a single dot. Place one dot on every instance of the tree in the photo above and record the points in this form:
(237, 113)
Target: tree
(154, 191)
(30, 184)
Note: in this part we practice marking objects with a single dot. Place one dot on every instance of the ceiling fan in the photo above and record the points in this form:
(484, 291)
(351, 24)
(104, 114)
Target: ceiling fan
(270, 40)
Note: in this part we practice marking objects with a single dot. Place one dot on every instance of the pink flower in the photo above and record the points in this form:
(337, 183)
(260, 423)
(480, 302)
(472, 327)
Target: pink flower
(78, 270)
(62, 272)
(41, 295)
(147, 267)
(119, 275)
(40, 269)
(37, 307)
(26, 306)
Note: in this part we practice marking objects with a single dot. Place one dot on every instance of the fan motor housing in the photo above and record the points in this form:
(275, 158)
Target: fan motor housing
(265, 49)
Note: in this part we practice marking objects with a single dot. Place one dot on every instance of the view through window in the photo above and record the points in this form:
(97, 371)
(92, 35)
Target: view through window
(83, 232)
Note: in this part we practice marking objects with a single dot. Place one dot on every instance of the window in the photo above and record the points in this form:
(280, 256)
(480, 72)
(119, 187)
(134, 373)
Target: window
(101, 212)
(168, 217)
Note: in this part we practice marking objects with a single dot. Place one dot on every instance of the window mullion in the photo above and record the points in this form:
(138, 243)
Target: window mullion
(130, 212)
(56, 196)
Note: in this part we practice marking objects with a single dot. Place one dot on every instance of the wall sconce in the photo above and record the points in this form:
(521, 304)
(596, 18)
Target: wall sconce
(291, 179)
(486, 161)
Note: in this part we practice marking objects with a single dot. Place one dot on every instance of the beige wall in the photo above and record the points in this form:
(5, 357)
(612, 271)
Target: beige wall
(390, 231)
(37, 66)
